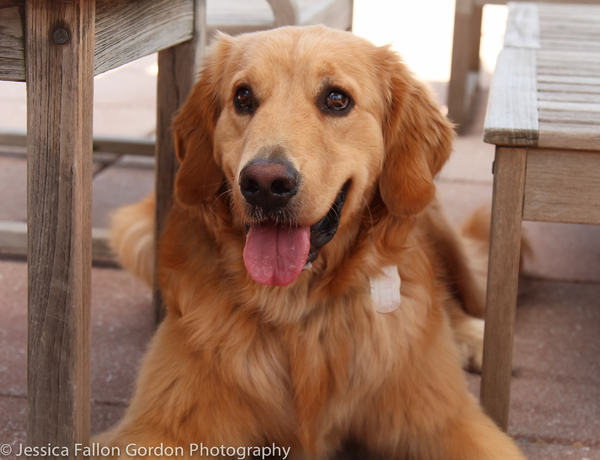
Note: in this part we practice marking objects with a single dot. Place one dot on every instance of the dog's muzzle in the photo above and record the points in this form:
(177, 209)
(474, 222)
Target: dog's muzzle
(276, 250)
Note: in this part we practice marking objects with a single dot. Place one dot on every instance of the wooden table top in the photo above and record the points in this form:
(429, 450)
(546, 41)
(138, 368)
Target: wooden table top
(124, 31)
(546, 87)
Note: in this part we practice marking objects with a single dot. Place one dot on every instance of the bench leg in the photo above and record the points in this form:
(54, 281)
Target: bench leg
(60, 70)
(505, 245)
(177, 71)
(463, 72)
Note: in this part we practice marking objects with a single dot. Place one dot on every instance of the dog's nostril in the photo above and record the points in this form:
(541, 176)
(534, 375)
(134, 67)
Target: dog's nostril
(252, 186)
(282, 187)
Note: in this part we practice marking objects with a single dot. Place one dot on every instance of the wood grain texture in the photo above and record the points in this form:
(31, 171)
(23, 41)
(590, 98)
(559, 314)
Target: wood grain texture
(567, 116)
(12, 63)
(125, 30)
(571, 136)
(13, 236)
(512, 117)
(568, 79)
(59, 160)
(505, 242)
(557, 96)
(129, 29)
(562, 186)
(459, 97)
(124, 145)
(567, 89)
(177, 73)
(522, 27)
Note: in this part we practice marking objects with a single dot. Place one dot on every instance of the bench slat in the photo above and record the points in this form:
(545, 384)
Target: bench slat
(512, 117)
(125, 30)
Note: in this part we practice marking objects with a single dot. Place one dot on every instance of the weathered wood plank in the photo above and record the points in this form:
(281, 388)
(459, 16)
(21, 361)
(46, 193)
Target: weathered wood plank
(177, 73)
(569, 136)
(577, 45)
(566, 89)
(556, 96)
(13, 236)
(459, 96)
(562, 186)
(569, 117)
(522, 27)
(512, 112)
(12, 64)
(59, 159)
(560, 106)
(123, 145)
(569, 71)
(129, 29)
(505, 243)
(125, 30)
(568, 66)
(567, 79)
(564, 58)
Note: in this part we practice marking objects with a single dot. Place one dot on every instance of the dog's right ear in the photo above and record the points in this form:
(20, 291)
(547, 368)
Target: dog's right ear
(200, 176)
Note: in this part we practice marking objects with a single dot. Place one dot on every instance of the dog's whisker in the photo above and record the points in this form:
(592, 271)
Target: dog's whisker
(369, 209)
(225, 193)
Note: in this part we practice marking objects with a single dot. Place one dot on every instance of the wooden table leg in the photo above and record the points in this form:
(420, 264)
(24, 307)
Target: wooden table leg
(459, 71)
(60, 65)
(503, 275)
(178, 67)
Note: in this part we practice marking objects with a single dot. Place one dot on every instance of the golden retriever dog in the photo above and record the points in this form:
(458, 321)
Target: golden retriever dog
(317, 300)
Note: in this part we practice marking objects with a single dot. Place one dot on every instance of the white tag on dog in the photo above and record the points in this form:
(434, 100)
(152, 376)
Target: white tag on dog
(385, 290)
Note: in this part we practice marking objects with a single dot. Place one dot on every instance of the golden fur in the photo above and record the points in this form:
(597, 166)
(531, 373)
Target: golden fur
(311, 366)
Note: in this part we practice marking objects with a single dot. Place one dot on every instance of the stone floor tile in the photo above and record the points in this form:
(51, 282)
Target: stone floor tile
(118, 186)
(13, 424)
(555, 396)
(121, 321)
(544, 451)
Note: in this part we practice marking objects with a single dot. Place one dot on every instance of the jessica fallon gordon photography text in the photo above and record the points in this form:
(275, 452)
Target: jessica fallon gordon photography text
(135, 450)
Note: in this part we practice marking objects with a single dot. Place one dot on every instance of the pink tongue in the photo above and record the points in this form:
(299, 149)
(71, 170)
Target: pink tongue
(275, 255)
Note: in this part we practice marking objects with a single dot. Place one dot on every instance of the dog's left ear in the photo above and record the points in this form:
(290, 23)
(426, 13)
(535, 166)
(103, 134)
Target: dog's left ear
(418, 139)
(200, 176)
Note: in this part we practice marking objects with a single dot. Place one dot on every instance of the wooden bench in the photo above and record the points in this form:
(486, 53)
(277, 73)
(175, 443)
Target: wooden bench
(57, 46)
(464, 70)
(242, 16)
(544, 118)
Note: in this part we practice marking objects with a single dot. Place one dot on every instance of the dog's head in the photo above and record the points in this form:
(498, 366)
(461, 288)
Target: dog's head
(299, 123)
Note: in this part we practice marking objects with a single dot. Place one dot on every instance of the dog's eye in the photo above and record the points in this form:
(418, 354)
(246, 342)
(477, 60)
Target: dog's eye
(337, 102)
(243, 100)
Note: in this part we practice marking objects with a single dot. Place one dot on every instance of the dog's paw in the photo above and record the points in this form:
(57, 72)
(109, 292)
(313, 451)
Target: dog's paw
(469, 340)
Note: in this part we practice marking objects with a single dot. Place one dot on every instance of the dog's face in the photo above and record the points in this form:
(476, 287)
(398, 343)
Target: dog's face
(305, 125)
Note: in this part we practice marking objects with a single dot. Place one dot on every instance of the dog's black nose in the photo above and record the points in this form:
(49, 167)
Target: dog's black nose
(269, 185)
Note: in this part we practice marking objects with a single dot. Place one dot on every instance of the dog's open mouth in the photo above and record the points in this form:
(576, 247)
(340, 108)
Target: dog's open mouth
(275, 254)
